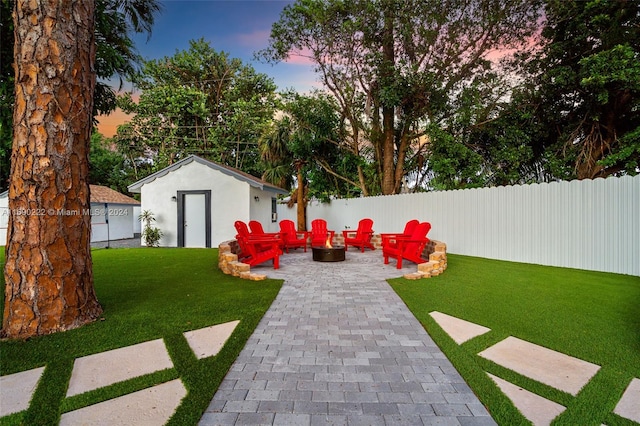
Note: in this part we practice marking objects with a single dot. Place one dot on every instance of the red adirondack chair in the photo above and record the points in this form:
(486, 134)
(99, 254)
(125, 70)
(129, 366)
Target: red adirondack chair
(243, 231)
(253, 251)
(408, 248)
(389, 240)
(256, 249)
(320, 234)
(292, 238)
(360, 237)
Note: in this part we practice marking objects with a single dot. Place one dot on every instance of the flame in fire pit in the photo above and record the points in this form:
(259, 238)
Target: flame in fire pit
(328, 243)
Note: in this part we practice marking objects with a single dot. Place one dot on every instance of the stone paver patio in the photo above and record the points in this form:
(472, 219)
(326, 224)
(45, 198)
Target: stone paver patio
(338, 346)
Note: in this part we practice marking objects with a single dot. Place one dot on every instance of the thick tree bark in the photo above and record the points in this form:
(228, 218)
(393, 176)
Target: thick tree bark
(48, 271)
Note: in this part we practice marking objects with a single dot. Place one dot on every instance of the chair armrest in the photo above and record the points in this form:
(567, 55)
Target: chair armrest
(391, 237)
(267, 239)
(271, 234)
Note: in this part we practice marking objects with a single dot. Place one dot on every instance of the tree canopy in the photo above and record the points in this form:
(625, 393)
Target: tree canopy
(400, 70)
(202, 102)
(589, 88)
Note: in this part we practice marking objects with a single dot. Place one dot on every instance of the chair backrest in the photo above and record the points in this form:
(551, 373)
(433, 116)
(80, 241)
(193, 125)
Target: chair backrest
(288, 229)
(319, 227)
(241, 227)
(418, 240)
(365, 229)
(256, 227)
(409, 227)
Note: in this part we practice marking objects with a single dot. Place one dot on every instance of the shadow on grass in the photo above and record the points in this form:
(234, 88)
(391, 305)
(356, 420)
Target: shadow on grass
(146, 294)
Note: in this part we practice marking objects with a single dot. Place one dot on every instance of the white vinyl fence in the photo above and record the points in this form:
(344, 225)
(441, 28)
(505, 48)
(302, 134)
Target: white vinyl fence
(588, 224)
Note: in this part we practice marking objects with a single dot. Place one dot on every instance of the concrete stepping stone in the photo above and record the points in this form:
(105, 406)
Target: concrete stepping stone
(151, 406)
(208, 341)
(106, 368)
(459, 330)
(629, 405)
(552, 368)
(17, 389)
(538, 410)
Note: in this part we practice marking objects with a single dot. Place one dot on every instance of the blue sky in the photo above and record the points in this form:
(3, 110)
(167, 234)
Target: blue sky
(238, 27)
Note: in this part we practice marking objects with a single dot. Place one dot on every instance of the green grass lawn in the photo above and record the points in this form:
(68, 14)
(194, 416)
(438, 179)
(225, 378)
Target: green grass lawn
(160, 293)
(589, 315)
(146, 294)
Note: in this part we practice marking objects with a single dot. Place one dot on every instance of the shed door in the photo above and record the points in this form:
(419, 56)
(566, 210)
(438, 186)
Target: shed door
(194, 222)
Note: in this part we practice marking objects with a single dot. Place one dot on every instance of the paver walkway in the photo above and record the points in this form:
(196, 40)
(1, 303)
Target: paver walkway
(338, 346)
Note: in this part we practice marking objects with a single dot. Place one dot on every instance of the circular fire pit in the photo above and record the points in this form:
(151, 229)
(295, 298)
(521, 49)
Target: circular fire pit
(328, 254)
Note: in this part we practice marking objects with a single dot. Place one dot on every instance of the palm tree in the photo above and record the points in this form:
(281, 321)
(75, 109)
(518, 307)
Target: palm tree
(278, 159)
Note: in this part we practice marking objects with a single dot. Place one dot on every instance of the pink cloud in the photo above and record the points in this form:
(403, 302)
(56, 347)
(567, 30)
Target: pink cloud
(254, 39)
(300, 57)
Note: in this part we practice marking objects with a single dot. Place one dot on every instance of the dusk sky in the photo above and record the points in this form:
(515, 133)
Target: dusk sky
(238, 27)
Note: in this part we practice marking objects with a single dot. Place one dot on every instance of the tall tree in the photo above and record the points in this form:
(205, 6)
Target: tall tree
(398, 68)
(116, 56)
(6, 91)
(589, 87)
(48, 271)
(203, 102)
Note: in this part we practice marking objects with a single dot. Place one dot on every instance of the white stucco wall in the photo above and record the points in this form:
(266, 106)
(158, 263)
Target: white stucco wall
(136, 222)
(120, 225)
(231, 200)
(4, 218)
(261, 210)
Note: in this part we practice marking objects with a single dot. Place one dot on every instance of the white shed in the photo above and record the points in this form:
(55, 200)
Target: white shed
(195, 202)
(4, 216)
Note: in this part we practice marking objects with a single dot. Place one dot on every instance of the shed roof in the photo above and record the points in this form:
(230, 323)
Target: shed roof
(229, 171)
(103, 194)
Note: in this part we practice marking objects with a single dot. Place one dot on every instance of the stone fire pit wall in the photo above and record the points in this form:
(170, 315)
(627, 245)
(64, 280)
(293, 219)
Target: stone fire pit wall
(435, 252)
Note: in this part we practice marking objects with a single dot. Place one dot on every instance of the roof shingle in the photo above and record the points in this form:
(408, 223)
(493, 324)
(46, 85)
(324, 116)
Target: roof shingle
(103, 194)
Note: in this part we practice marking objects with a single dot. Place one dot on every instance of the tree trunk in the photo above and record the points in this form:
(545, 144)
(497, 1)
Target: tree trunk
(48, 271)
(301, 205)
(388, 111)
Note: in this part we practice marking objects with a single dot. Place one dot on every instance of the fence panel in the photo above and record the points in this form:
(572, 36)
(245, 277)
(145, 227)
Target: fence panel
(588, 224)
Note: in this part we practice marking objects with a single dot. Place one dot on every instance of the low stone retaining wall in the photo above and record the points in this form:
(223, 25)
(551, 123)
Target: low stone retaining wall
(228, 262)
(435, 252)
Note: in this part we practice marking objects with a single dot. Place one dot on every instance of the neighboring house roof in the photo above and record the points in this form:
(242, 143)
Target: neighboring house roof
(103, 194)
(235, 173)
